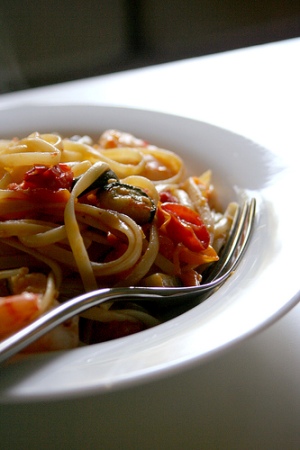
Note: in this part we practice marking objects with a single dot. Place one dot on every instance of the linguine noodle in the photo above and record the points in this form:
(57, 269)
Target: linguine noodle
(78, 214)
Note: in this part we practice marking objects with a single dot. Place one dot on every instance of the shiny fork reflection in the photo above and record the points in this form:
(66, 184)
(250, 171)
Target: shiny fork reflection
(168, 296)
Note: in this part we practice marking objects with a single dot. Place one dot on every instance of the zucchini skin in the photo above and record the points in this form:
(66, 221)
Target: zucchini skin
(127, 199)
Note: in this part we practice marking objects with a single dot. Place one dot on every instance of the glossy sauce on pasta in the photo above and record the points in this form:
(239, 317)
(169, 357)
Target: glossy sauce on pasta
(77, 215)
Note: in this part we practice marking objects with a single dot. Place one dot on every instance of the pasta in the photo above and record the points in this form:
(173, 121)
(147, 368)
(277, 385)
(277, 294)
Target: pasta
(78, 214)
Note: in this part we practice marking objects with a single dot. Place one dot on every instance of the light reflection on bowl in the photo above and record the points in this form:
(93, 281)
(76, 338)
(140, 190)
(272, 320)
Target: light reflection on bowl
(240, 167)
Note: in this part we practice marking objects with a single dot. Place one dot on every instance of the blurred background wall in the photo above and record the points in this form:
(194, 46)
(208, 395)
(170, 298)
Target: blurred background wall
(49, 41)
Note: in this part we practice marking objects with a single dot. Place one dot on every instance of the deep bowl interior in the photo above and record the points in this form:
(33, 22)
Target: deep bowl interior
(240, 168)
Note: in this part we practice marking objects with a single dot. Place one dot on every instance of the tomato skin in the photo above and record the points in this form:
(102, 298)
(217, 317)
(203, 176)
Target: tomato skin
(184, 240)
(42, 188)
(53, 178)
(183, 225)
(166, 196)
(166, 246)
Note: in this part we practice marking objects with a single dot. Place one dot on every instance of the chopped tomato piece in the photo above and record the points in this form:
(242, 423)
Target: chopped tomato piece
(41, 188)
(183, 225)
(166, 196)
(166, 246)
(53, 178)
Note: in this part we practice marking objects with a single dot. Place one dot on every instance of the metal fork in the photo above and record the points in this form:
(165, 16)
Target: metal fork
(169, 296)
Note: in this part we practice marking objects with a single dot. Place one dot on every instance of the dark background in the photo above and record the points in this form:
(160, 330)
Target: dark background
(49, 41)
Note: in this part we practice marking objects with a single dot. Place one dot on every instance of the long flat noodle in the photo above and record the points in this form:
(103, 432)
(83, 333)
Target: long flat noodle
(45, 237)
(37, 151)
(80, 241)
(63, 256)
(171, 160)
(49, 294)
(143, 183)
(82, 151)
(147, 260)
(200, 203)
(19, 228)
(72, 228)
(116, 223)
(11, 272)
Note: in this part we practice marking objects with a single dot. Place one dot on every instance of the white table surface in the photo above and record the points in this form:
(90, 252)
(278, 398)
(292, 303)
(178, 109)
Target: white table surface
(249, 396)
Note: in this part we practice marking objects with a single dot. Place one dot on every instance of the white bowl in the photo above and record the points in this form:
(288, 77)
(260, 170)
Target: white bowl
(264, 286)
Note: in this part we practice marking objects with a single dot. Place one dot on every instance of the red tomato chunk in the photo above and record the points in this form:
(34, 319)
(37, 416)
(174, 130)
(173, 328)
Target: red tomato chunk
(53, 178)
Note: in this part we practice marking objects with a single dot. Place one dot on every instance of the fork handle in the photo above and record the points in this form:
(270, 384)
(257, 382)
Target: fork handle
(45, 323)
(65, 311)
